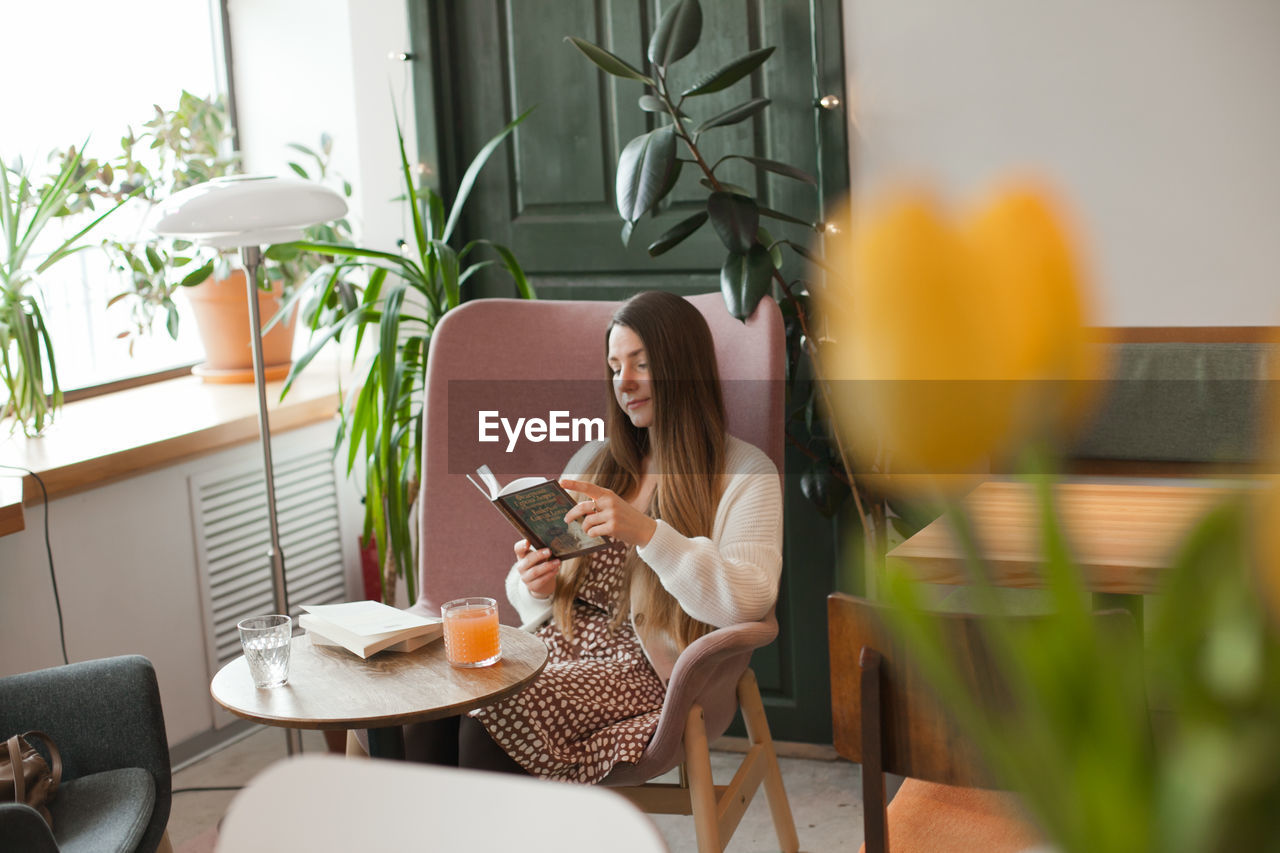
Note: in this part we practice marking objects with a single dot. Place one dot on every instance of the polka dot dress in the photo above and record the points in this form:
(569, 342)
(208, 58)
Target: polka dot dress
(597, 701)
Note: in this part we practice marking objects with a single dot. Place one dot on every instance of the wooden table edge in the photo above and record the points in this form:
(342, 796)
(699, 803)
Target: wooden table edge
(386, 721)
(1014, 574)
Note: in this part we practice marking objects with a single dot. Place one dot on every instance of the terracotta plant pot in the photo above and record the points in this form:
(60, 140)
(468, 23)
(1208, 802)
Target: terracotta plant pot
(222, 315)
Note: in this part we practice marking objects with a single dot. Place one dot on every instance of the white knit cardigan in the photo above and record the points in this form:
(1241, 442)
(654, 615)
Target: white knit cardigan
(729, 578)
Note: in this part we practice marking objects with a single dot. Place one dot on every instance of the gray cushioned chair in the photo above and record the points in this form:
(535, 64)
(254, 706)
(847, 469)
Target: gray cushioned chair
(106, 719)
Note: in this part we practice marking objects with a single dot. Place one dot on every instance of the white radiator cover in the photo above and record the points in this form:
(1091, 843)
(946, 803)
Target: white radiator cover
(232, 544)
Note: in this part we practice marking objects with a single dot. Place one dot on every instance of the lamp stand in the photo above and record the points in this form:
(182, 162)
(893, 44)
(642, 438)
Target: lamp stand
(252, 257)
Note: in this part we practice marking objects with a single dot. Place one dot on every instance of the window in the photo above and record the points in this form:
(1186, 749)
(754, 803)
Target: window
(145, 52)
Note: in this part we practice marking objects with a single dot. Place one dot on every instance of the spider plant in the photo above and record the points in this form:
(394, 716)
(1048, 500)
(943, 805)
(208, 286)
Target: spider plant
(400, 302)
(27, 206)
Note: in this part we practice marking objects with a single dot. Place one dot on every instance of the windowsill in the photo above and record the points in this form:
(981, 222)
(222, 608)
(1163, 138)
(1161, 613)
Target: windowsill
(110, 437)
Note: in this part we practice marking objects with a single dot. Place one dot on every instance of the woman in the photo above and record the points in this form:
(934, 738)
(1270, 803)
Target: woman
(695, 519)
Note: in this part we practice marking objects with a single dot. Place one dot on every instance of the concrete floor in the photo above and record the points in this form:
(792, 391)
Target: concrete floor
(824, 795)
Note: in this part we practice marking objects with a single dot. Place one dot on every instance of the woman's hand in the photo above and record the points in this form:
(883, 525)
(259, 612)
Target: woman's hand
(603, 513)
(537, 569)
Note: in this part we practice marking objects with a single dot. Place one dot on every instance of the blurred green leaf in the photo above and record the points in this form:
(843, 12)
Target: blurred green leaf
(199, 276)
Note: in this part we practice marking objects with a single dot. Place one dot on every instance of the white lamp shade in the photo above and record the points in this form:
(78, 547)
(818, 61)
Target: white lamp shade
(246, 210)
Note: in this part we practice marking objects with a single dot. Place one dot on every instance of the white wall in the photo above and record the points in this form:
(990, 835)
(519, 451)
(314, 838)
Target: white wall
(1159, 120)
(303, 67)
(125, 553)
(126, 565)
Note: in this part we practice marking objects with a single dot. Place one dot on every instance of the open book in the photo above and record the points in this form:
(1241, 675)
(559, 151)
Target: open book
(536, 507)
(367, 627)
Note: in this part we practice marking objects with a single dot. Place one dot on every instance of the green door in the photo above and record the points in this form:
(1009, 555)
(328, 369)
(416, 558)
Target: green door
(549, 195)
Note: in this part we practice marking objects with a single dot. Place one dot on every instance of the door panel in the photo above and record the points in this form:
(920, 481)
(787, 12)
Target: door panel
(548, 194)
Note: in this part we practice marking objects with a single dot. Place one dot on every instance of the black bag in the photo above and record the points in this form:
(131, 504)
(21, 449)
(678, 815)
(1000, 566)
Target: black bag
(25, 777)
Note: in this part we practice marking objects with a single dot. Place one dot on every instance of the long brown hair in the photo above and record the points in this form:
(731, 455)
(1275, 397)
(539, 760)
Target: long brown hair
(687, 440)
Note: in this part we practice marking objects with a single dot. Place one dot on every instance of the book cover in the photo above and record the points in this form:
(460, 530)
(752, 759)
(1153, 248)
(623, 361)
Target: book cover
(367, 627)
(409, 645)
(536, 508)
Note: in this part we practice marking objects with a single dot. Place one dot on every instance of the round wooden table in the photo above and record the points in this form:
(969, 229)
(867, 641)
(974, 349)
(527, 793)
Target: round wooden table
(331, 688)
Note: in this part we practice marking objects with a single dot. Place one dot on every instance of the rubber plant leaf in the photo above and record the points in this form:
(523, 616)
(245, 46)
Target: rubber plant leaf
(677, 233)
(733, 115)
(644, 169)
(677, 33)
(744, 280)
(726, 76)
(736, 220)
(777, 168)
(654, 104)
(608, 62)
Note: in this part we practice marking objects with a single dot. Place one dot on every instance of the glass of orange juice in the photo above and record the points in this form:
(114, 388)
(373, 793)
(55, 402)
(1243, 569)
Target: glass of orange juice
(471, 632)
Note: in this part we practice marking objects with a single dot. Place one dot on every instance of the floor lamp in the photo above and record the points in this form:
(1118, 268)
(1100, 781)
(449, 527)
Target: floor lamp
(248, 212)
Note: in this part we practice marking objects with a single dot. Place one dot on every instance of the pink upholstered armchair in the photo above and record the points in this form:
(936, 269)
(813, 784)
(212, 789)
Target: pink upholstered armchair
(528, 359)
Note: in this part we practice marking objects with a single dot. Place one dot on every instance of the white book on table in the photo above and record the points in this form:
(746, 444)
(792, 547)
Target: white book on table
(368, 627)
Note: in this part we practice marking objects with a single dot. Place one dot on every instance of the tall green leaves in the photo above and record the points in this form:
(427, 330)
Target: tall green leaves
(28, 368)
(649, 165)
(400, 304)
(1097, 771)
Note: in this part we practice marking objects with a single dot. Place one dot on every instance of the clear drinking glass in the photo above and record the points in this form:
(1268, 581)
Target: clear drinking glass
(471, 632)
(266, 641)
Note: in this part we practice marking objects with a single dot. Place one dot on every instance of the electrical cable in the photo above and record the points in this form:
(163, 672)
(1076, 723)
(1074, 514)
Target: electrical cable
(48, 547)
(214, 788)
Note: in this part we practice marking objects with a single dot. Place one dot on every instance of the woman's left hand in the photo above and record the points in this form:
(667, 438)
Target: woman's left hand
(604, 513)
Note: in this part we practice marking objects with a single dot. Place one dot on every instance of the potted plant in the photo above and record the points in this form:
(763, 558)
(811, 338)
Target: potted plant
(176, 149)
(752, 269)
(179, 148)
(27, 208)
(400, 302)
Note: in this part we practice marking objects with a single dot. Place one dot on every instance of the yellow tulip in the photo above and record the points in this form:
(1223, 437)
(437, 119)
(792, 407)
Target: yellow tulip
(952, 341)
(1028, 261)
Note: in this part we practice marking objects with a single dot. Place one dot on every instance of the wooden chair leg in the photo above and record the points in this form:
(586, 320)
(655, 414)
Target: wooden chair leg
(165, 845)
(758, 733)
(875, 820)
(702, 789)
(354, 749)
